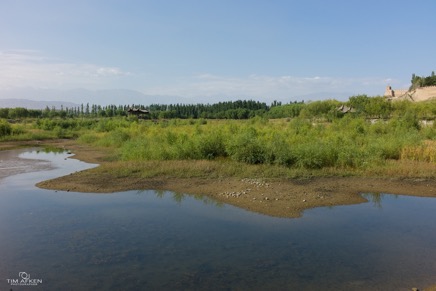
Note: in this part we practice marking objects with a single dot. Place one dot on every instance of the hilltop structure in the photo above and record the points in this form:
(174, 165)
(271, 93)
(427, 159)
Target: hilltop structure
(418, 94)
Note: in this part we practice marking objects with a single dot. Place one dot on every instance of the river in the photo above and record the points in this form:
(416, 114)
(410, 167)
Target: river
(155, 240)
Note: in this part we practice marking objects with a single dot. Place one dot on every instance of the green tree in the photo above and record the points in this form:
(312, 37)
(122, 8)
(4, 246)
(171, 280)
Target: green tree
(4, 113)
(319, 108)
(18, 112)
(359, 103)
(378, 107)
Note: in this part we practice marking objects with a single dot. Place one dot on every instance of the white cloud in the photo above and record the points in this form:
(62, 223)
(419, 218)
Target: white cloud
(268, 87)
(27, 68)
(109, 71)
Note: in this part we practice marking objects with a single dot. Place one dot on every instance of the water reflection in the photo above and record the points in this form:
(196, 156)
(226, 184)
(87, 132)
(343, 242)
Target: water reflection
(12, 163)
(180, 197)
(159, 240)
(377, 198)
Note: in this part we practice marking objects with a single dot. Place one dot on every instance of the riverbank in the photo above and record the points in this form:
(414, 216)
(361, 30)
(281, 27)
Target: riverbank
(274, 196)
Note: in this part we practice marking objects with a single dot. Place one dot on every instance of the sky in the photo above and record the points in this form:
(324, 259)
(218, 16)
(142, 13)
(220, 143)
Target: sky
(206, 50)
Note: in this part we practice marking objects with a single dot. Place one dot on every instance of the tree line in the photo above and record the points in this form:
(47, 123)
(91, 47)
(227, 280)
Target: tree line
(241, 109)
(65, 112)
(360, 105)
(418, 81)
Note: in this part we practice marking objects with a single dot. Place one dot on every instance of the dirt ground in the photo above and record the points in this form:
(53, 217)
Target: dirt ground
(274, 197)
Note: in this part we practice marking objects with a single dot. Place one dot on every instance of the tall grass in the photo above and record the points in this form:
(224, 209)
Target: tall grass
(297, 143)
(425, 151)
(343, 143)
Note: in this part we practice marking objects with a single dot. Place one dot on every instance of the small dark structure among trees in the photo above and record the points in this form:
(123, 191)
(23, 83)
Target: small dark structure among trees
(345, 109)
(138, 112)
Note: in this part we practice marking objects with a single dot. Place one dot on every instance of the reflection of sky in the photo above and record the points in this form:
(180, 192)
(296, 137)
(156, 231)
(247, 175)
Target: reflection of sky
(162, 240)
(37, 164)
(11, 164)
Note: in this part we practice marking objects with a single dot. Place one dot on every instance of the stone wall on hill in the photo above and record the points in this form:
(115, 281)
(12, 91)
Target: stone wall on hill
(419, 94)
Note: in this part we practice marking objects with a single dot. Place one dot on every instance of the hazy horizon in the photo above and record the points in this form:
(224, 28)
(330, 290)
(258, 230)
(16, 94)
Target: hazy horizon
(126, 97)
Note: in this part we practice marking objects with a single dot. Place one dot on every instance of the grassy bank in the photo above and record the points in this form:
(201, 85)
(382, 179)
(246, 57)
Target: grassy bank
(316, 144)
(264, 186)
(276, 148)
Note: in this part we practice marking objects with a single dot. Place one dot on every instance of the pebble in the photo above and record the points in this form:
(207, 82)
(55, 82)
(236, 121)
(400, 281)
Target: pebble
(256, 182)
(232, 194)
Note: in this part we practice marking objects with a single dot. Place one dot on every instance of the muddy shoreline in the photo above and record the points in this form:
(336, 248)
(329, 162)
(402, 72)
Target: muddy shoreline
(274, 197)
(279, 198)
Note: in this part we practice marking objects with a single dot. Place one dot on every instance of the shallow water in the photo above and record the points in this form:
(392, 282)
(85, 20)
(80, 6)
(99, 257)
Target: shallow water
(149, 240)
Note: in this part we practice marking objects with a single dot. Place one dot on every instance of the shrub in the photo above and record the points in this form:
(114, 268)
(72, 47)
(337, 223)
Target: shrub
(60, 132)
(114, 138)
(211, 146)
(246, 147)
(18, 130)
(135, 149)
(278, 151)
(315, 155)
(5, 128)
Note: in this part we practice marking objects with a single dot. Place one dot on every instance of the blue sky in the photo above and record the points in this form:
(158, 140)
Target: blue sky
(204, 50)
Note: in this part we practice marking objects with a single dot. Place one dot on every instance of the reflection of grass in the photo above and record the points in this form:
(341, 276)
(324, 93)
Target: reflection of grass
(375, 198)
(207, 201)
(159, 193)
(179, 197)
(51, 149)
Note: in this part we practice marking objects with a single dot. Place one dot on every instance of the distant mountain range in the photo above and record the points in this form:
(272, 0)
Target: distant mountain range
(32, 98)
(31, 104)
